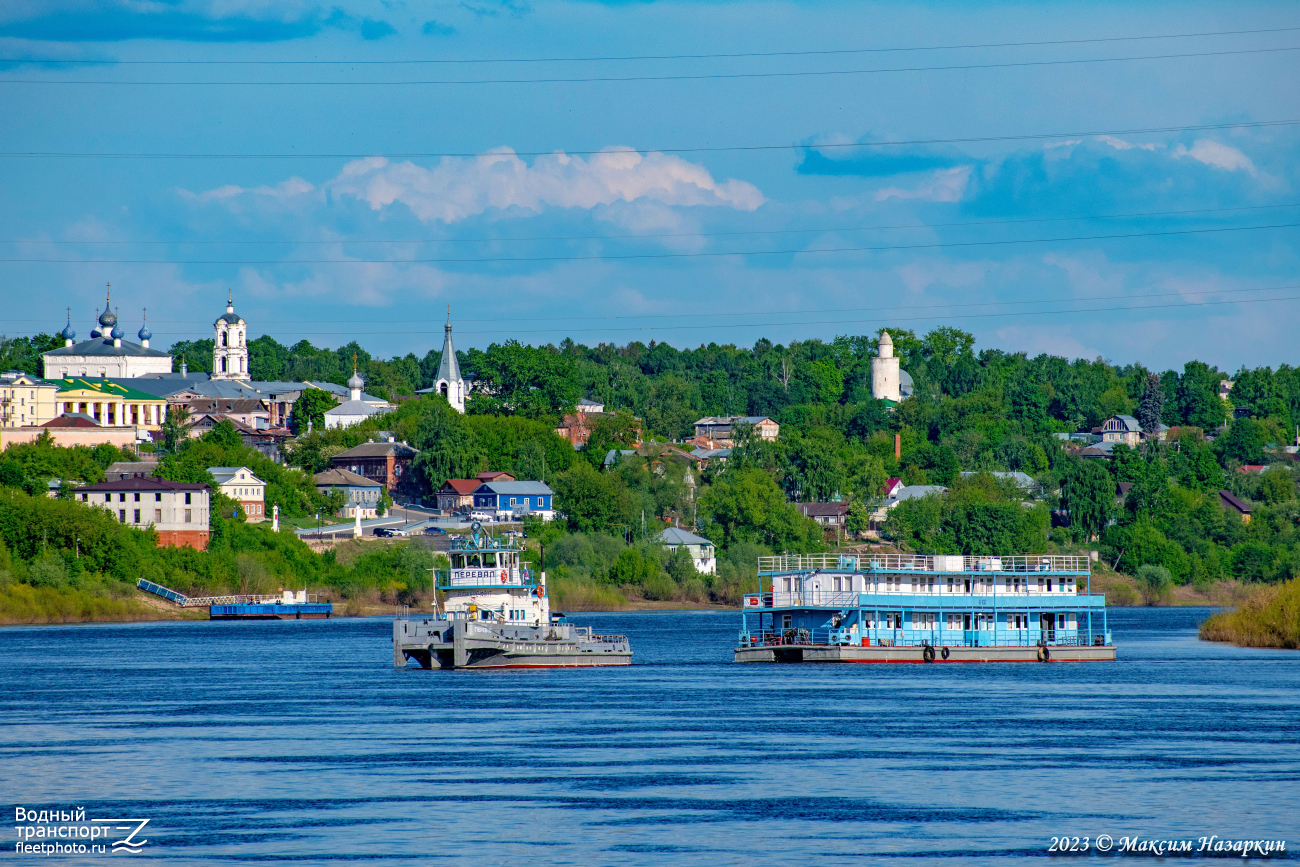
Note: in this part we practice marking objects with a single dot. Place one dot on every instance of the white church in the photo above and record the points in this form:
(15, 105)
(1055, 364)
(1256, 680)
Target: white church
(106, 355)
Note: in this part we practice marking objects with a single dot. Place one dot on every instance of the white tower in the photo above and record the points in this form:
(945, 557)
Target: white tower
(884, 370)
(449, 383)
(230, 353)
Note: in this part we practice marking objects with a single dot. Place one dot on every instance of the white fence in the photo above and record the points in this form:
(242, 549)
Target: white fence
(921, 563)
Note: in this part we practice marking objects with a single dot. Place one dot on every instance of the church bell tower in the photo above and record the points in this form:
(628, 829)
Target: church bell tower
(230, 351)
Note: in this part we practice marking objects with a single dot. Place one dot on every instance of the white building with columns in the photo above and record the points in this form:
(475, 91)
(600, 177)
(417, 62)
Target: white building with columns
(230, 349)
(106, 355)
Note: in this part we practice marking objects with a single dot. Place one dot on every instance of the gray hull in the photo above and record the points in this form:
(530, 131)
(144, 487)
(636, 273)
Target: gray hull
(834, 653)
(458, 643)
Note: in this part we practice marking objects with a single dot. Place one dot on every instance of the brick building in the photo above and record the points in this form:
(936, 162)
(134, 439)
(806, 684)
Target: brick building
(388, 463)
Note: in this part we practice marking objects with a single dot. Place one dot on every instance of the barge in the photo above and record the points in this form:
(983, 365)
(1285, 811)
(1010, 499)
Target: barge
(924, 609)
(495, 613)
(289, 605)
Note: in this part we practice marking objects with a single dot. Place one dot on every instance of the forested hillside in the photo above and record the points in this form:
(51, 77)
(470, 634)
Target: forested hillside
(972, 411)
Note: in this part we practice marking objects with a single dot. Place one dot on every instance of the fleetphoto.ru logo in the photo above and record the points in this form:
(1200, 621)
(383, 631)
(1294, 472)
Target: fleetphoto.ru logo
(68, 832)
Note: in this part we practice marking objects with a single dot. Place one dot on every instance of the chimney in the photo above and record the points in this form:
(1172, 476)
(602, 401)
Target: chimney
(898, 447)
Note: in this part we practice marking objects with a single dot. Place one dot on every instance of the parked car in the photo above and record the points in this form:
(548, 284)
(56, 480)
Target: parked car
(387, 532)
(434, 531)
(482, 517)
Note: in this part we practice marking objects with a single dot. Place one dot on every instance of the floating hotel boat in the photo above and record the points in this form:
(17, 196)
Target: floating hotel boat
(905, 608)
(289, 605)
(495, 614)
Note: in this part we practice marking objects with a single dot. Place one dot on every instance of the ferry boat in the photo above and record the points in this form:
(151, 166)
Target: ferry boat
(942, 608)
(495, 613)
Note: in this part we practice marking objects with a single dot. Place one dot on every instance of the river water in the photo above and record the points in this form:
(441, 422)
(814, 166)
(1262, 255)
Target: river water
(299, 742)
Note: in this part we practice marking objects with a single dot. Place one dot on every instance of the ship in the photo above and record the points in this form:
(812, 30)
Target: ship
(492, 611)
(924, 609)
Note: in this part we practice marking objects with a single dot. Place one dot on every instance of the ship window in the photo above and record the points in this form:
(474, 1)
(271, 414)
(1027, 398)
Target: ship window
(785, 621)
(458, 561)
(489, 560)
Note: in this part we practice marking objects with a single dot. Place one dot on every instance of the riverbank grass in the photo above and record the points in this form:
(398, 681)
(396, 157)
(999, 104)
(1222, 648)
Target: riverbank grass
(1271, 618)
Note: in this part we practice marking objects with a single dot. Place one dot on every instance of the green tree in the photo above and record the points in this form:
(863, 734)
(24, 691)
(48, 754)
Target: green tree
(592, 501)
(747, 506)
(816, 471)
(858, 519)
(524, 380)
(610, 431)
(175, 426)
(1277, 486)
(224, 435)
(309, 409)
(1152, 405)
(1198, 399)
(197, 354)
(1154, 581)
(1243, 443)
(1088, 496)
(448, 447)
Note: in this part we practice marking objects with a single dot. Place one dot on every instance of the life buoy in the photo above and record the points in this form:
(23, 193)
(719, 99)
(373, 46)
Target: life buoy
(503, 576)
(928, 653)
(1044, 655)
(945, 653)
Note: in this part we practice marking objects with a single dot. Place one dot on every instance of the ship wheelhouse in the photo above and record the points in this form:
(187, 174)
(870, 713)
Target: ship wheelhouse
(900, 600)
(488, 580)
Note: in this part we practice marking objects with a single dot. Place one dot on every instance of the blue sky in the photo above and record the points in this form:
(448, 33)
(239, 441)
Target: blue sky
(605, 237)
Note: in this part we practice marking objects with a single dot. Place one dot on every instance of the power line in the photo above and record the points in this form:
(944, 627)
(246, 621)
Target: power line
(498, 332)
(676, 77)
(815, 311)
(890, 319)
(617, 257)
(809, 53)
(677, 150)
(654, 235)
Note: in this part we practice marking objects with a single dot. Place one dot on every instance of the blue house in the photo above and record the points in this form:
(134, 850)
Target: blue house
(513, 500)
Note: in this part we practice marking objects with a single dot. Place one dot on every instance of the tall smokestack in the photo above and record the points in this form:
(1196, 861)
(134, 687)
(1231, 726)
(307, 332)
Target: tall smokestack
(898, 447)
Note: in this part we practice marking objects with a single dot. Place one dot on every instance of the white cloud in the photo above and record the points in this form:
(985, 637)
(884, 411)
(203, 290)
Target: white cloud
(1216, 154)
(1120, 145)
(458, 188)
(284, 190)
(944, 185)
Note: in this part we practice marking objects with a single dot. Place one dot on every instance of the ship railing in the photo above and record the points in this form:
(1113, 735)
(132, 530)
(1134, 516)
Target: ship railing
(584, 633)
(937, 638)
(783, 563)
(937, 597)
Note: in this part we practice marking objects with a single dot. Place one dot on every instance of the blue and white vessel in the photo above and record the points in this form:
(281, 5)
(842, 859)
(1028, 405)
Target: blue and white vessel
(910, 608)
(494, 612)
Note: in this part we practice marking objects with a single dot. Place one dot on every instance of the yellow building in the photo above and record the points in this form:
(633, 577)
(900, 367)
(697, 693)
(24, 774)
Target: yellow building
(26, 400)
(111, 404)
